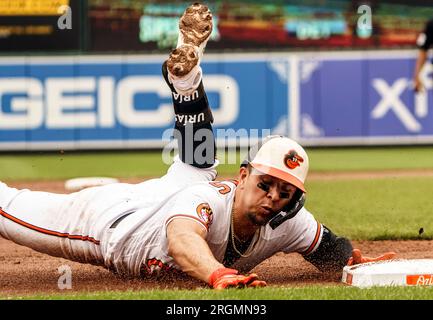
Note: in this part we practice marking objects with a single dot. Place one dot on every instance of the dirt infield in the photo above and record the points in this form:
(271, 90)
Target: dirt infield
(26, 272)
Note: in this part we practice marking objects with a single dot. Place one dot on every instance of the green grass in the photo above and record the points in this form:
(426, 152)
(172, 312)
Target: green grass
(48, 166)
(63, 166)
(377, 209)
(268, 293)
(371, 158)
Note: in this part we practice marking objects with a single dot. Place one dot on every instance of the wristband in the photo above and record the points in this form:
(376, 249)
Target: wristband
(218, 273)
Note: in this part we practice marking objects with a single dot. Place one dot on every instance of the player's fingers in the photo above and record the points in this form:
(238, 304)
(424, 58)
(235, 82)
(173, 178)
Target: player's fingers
(249, 278)
(219, 286)
(386, 256)
(418, 86)
(356, 256)
(235, 282)
(245, 281)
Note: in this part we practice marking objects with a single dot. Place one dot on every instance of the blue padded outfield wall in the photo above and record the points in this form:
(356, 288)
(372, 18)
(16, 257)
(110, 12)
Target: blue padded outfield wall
(326, 98)
(363, 98)
(123, 101)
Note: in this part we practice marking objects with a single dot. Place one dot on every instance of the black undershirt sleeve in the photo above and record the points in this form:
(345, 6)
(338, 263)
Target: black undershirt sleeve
(332, 253)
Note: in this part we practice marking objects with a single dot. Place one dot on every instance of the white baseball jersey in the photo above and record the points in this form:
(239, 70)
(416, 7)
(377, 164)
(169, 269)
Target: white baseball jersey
(123, 226)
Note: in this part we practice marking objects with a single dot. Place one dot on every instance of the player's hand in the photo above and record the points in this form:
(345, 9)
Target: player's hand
(229, 278)
(417, 85)
(358, 258)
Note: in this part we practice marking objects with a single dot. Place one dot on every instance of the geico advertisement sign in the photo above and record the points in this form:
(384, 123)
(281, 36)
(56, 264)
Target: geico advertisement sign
(92, 102)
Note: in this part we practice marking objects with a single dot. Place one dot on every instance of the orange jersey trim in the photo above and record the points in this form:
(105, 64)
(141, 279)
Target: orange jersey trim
(187, 216)
(46, 231)
(315, 241)
(235, 181)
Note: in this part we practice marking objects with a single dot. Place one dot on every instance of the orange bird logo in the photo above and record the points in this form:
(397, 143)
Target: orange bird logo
(205, 213)
(293, 159)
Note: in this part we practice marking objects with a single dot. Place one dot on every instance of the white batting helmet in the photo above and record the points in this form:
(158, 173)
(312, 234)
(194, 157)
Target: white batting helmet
(282, 158)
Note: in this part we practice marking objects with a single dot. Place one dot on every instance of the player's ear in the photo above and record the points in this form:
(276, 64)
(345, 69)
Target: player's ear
(243, 175)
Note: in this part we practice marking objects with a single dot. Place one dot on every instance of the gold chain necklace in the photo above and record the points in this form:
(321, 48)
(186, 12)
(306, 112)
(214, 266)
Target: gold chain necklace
(233, 237)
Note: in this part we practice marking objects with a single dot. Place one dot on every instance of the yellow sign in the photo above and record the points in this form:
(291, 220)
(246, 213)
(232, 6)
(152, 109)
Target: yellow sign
(32, 7)
(32, 30)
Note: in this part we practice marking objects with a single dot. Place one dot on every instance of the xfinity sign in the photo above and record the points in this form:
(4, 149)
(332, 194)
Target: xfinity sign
(99, 102)
(364, 98)
(391, 102)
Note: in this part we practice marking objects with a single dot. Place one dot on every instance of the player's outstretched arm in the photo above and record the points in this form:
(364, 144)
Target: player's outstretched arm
(190, 251)
(422, 58)
(334, 253)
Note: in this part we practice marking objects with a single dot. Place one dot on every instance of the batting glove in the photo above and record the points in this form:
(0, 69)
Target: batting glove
(229, 278)
(357, 257)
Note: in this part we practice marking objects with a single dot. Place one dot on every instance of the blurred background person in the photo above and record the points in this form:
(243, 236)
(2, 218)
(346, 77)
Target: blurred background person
(424, 42)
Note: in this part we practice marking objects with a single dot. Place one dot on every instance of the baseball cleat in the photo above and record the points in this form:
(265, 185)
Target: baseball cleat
(184, 70)
(195, 26)
(183, 64)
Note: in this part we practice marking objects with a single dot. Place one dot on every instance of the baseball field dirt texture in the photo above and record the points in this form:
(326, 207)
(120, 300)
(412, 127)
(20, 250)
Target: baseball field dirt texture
(25, 272)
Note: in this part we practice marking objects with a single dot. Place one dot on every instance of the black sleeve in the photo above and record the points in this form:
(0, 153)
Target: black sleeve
(193, 126)
(425, 39)
(332, 253)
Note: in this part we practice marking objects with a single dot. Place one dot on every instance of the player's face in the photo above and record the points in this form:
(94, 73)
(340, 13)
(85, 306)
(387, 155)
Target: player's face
(263, 195)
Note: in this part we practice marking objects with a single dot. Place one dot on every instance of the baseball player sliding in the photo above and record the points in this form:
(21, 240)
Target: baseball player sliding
(185, 221)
